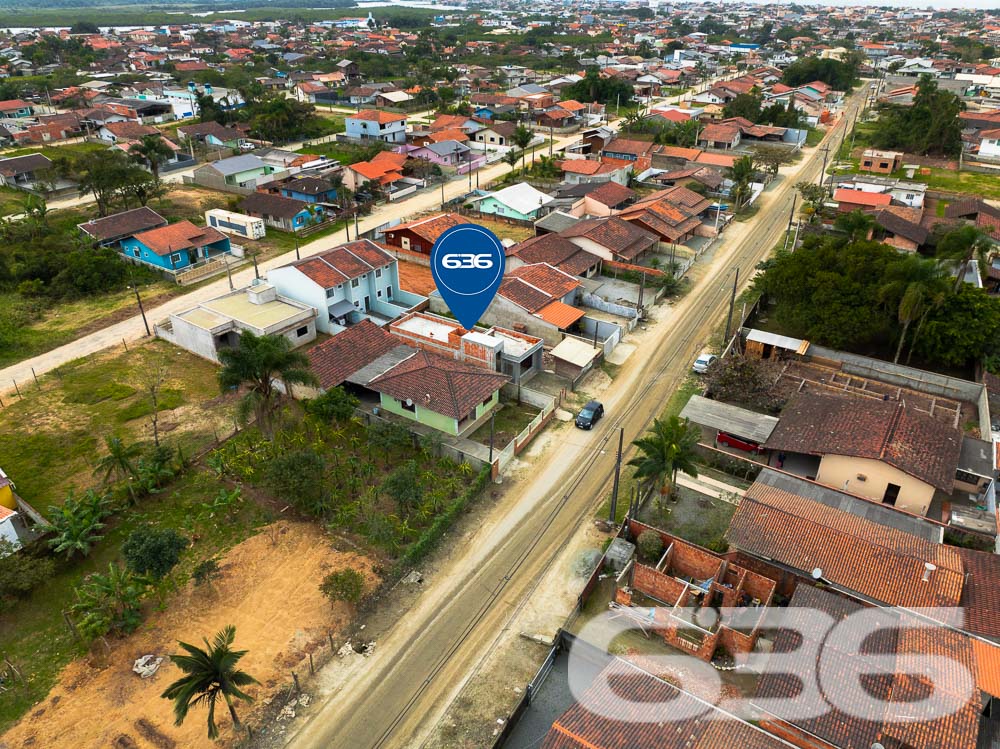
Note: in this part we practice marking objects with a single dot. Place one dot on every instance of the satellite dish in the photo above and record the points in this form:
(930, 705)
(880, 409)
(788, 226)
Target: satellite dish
(877, 745)
(409, 401)
(817, 574)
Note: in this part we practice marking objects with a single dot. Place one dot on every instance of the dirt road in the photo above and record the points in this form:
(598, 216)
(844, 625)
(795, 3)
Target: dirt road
(394, 700)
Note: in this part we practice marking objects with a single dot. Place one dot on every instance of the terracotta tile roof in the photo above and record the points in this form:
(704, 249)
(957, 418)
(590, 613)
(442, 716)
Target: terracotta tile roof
(676, 152)
(877, 561)
(133, 130)
(620, 237)
(440, 384)
(448, 122)
(377, 115)
(708, 728)
(987, 667)
(887, 431)
(715, 159)
(634, 147)
(556, 251)
(431, 227)
(981, 594)
(544, 277)
(342, 263)
(859, 197)
(580, 166)
(123, 224)
(180, 236)
(719, 133)
(455, 134)
(883, 711)
(337, 358)
(560, 314)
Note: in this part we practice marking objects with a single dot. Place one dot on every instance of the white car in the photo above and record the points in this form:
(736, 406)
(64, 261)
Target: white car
(703, 362)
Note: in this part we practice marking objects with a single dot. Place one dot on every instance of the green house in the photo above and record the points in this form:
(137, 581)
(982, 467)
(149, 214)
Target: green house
(520, 201)
(451, 396)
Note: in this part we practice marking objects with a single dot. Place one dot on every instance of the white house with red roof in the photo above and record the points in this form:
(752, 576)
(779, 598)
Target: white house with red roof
(376, 124)
(349, 283)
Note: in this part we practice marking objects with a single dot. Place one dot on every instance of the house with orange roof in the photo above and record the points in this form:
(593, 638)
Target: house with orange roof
(375, 124)
(176, 246)
(385, 169)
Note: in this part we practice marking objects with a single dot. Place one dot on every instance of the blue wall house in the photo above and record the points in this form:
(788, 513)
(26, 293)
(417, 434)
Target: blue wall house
(287, 214)
(309, 190)
(176, 246)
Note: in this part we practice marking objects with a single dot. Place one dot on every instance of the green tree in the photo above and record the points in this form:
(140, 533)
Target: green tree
(966, 327)
(209, 674)
(109, 604)
(403, 485)
(119, 463)
(963, 245)
(256, 363)
(76, 525)
(343, 585)
(840, 76)
(388, 436)
(930, 125)
(650, 546)
(152, 551)
(594, 88)
(856, 225)
(668, 447)
(335, 404)
(914, 287)
(299, 478)
(153, 151)
(20, 571)
(744, 105)
(522, 137)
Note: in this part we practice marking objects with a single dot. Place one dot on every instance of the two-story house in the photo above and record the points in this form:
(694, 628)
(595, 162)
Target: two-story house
(355, 281)
(374, 124)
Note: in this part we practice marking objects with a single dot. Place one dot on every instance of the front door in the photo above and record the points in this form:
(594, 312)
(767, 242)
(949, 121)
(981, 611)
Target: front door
(368, 300)
(891, 495)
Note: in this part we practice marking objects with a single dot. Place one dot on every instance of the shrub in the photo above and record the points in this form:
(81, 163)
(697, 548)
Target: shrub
(403, 485)
(153, 551)
(336, 404)
(298, 477)
(343, 585)
(20, 572)
(650, 546)
(205, 571)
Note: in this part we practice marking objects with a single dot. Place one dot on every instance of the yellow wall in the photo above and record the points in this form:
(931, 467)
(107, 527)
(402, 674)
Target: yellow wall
(7, 497)
(914, 495)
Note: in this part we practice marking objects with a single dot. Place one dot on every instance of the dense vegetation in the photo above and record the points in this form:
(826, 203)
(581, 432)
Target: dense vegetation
(930, 126)
(864, 296)
(602, 90)
(841, 76)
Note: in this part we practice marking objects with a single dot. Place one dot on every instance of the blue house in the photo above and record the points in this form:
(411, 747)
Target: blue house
(287, 214)
(176, 246)
(309, 190)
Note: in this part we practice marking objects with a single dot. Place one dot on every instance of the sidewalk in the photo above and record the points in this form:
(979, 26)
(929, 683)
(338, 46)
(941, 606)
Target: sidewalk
(711, 487)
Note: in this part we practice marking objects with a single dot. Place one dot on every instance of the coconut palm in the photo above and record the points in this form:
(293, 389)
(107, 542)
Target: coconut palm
(965, 244)
(510, 158)
(522, 137)
(153, 151)
(915, 287)
(257, 363)
(118, 463)
(668, 447)
(209, 673)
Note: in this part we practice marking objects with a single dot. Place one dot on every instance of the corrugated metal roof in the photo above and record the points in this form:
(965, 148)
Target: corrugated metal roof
(737, 421)
(797, 345)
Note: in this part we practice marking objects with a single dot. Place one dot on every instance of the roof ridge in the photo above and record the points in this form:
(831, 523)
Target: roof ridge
(890, 432)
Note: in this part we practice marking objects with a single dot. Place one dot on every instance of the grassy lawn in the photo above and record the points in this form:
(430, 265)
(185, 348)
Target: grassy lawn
(49, 441)
(504, 230)
(968, 183)
(345, 153)
(814, 137)
(510, 420)
(53, 151)
(11, 201)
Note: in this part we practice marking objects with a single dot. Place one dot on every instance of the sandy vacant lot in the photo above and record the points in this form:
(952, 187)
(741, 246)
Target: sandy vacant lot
(268, 589)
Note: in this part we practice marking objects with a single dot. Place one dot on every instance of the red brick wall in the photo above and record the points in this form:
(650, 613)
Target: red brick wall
(690, 560)
(663, 587)
(758, 586)
(786, 581)
(735, 642)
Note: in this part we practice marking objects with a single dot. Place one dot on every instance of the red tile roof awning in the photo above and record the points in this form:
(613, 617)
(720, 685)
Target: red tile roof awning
(560, 314)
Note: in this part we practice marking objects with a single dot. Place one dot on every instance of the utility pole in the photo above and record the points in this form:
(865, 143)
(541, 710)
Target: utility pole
(822, 172)
(732, 303)
(550, 140)
(142, 312)
(295, 236)
(357, 232)
(229, 272)
(618, 470)
(791, 214)
(492, 415)
(256, 270)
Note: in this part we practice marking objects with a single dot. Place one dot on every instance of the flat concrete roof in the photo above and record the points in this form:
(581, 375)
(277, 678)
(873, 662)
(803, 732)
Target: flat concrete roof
(427, 327)
(512, 345)
(737, 421)
(976, 457)
(575, 352)
(238, 307)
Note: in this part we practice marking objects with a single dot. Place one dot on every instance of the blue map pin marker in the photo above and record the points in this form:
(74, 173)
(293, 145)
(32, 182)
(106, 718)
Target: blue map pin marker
(467, 263)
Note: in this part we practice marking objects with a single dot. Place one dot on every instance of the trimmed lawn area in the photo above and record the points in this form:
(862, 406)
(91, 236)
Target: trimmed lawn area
(814, 137)
(968, 183)
(510, 420)
(504, 230)
(53, 151)
(11, 201)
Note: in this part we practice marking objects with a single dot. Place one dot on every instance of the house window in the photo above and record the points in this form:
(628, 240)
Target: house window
(355, 283)
(492, 139)
(966, 478)
(378, 294)
(487, 402)
(909, 196)
(175, 258)
(302, 331)
(411, 406)
(378, 273)
(136, 252)
(331, 292)
(883, 165)
(388, 291)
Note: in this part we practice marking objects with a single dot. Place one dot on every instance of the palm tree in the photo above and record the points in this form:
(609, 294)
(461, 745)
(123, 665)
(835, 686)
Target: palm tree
(667, 448)
(522, 137)
(153, 151)
(258, 362)
(118, 463)
(510, 158)
(965, 244)
(914, 286)
(209, 674)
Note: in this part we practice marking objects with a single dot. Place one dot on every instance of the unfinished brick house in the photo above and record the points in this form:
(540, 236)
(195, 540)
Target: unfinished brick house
(673, 597)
